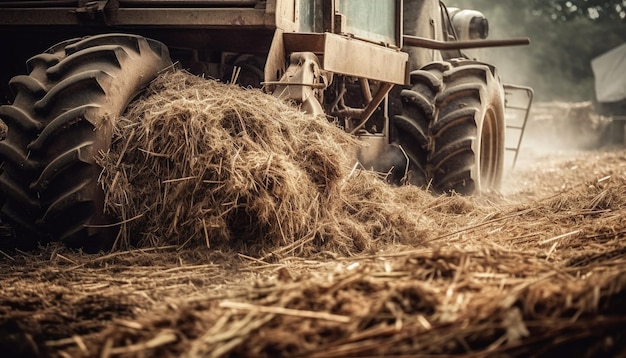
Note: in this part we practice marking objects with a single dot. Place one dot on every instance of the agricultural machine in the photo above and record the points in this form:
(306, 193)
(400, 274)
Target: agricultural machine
(391, 72)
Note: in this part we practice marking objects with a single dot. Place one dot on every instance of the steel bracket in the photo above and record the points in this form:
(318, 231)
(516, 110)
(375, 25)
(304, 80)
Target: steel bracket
(95, 11)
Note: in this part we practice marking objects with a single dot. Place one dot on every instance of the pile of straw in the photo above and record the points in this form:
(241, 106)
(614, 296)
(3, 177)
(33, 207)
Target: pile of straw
(201, 163)
(544, 278)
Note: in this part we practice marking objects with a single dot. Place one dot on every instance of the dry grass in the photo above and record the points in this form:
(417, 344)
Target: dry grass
(256, 238)
(200, 163)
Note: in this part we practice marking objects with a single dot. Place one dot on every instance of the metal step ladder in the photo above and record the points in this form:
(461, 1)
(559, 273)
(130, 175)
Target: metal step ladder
(517, 103)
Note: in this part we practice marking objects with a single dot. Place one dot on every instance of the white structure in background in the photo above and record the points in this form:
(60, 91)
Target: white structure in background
(609, 70)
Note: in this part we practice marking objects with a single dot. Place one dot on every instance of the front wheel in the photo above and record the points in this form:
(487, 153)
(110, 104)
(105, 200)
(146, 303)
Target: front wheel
(61, 118)
(451, 128)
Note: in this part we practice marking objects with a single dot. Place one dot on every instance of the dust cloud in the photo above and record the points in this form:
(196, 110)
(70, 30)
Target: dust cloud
(563, 116)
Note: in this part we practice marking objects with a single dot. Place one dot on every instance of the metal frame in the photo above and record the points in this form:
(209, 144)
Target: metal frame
(522, 128)
(383, 64)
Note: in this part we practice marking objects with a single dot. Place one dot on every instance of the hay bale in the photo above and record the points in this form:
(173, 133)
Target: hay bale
(198, 162)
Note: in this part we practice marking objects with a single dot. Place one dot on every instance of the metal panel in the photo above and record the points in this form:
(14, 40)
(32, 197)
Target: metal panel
(282, 14)
(188, 3)
(131, 3)
(249, 18)
(352, 57)
(180, 17)
(28, 17)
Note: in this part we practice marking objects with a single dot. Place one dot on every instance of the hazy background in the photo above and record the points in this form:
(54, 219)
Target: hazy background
(565, 36)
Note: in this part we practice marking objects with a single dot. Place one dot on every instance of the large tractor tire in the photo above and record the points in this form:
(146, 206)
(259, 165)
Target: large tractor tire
(451, 129)
(61, 119)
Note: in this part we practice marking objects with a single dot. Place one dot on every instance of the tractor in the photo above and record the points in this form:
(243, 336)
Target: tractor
(391, 72)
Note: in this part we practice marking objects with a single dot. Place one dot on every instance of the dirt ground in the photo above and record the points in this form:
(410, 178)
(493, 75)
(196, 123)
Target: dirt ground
(536, 270)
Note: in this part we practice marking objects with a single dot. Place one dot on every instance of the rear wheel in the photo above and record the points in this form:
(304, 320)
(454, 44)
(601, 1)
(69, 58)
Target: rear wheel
(61, 118)
(451, 128)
